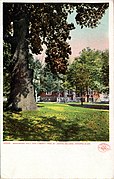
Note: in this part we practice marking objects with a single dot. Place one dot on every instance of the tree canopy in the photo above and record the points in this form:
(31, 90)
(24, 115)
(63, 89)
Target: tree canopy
(27, 26)
(48, 25)
(90, 70)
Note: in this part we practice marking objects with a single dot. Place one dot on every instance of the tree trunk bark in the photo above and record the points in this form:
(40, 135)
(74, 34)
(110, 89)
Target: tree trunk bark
(81, 96)
(22, 91)
(87, 94)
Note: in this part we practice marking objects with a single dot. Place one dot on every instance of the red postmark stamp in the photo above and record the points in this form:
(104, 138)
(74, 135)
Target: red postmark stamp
(103, 147)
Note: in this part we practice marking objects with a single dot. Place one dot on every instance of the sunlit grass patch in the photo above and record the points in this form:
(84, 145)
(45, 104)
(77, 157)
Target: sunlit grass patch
(57, 108)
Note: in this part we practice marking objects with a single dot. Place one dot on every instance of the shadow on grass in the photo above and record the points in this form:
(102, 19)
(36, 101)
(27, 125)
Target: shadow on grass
(46, 129)
(92, 106)
(43, 128)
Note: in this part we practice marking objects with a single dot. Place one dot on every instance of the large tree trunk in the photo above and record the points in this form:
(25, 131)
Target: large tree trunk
(22, 91)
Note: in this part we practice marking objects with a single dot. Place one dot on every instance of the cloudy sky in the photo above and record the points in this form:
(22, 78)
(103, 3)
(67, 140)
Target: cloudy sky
(97, 38)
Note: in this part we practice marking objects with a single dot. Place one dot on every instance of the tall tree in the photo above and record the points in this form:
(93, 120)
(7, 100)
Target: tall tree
(79, 77)
(105, 71)
(93, 62)
(90, 70)
(28, 26)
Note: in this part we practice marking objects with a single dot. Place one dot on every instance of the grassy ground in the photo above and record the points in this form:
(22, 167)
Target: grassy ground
(57, 122)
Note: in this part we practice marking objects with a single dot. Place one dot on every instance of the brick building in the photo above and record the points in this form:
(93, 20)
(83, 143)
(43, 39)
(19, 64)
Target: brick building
(67, 96)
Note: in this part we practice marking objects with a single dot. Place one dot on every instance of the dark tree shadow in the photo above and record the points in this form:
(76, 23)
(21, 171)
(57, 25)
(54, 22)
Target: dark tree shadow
(47, 129)
(43, 129)
(92, 106)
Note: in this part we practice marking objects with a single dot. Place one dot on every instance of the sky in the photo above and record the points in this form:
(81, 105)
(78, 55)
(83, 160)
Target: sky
(97, 38)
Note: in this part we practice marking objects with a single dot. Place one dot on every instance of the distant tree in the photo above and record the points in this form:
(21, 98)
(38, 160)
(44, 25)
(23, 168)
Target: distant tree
(43, 79)
(37, 68)
(79, 77)
(92, 60)
(28, 26)
(90, 70)
(50, 82)
(105, 70)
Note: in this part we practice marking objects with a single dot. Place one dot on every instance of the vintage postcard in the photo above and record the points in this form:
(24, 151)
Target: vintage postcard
(57, 83)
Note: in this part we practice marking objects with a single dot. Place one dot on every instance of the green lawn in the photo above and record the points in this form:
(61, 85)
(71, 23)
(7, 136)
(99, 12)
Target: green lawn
(57, 122)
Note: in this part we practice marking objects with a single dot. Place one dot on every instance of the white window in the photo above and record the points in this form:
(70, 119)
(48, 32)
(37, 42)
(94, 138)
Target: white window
(49, 93)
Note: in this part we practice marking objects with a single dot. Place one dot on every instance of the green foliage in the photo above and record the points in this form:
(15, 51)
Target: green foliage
(88, 14)
(43, 79)
(57, 122)
(91, 69)
(105, 70)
